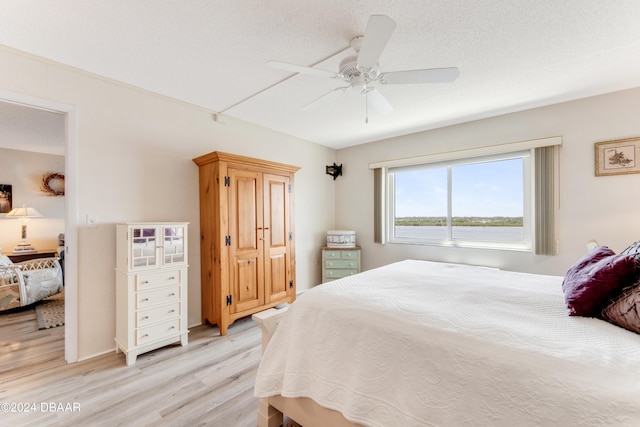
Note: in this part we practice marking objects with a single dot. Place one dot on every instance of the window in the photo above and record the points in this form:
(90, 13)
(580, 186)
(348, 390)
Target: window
(473, 202)
(538, 160)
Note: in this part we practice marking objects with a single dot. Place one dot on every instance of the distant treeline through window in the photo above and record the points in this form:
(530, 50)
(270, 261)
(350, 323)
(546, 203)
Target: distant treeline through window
(461, 221)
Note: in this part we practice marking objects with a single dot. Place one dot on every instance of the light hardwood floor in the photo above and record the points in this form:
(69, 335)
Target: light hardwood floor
(207, 383)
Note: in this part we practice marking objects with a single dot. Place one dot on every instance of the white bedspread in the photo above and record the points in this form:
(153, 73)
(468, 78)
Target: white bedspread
(418, 343)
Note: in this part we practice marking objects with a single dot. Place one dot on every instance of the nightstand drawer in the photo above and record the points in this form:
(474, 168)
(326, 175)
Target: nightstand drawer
(337, 274)
(156, 332)
(341, 264)
(349, 254)
(157, 314)
(159, 296)
(331, 254)
(153, 280)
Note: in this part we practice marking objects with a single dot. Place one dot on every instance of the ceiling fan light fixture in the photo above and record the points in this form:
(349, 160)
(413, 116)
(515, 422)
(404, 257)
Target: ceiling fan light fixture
(361, 70)
(360, 83)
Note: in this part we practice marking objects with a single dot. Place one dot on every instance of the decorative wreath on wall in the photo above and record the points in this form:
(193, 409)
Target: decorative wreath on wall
(53, 184)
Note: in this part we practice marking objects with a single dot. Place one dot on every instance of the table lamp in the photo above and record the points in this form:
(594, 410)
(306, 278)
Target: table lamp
(25, 214)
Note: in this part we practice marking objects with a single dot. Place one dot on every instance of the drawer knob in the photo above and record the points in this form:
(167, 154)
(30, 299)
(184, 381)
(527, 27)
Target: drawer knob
(172, 311)
(172, 294)
(145, 317)
(145, 335)
(173, 327)
(144, 282)
(172, 278)
(144, 299)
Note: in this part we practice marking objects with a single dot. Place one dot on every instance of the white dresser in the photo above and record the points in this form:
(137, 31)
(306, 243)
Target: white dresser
(339, 262)
(151, 286)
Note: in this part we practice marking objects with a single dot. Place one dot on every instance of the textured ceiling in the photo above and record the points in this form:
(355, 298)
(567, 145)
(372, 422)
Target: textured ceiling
(512, 55)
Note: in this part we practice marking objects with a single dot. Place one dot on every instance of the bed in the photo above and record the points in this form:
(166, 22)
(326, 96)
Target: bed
(24, 283)
(419, 343)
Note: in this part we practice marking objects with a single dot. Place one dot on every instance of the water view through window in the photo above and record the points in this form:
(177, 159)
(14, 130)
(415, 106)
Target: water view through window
(483, 201)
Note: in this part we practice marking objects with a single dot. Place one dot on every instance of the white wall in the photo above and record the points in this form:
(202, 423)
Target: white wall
(24, 170)
(135, 152)
(602, 208)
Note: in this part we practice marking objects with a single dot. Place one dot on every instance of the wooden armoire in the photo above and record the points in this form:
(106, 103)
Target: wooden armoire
(246, 236)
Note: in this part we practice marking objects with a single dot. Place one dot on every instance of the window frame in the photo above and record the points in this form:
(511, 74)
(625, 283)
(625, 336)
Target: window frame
(526, 244)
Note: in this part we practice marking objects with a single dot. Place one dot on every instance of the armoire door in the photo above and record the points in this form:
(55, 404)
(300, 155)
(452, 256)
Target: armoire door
(277, 228)
(246, 248)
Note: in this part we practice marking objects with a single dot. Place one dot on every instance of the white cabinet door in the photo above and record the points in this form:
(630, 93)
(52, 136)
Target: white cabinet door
(174, 245)
(145, 246)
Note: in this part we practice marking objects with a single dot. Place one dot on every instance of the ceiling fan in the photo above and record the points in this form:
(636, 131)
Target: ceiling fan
(361, 71)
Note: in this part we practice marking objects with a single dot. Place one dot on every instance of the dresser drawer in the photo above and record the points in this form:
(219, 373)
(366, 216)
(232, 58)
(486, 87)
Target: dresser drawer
(340, 254)
(157, 331)
(157, 314)
(349, 254)
(336, 274)
(154, 280)
(331, 254)
(341, 264)
(158, 296)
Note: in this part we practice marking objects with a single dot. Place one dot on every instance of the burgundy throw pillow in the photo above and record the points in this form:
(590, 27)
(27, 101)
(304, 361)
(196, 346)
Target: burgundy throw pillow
(624, 311)
(591, 282)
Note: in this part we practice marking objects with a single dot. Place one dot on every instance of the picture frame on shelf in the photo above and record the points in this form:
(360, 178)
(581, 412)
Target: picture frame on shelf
(617, 157)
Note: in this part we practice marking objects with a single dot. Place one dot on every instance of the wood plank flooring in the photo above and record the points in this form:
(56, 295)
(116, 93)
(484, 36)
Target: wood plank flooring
(25, 349)
(207, 383)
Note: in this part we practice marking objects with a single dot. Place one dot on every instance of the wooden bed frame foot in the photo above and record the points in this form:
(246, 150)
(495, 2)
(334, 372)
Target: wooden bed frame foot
(268, 416)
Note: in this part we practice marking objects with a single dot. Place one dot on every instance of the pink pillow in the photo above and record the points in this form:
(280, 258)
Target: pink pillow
(591, 282)
(624, 311)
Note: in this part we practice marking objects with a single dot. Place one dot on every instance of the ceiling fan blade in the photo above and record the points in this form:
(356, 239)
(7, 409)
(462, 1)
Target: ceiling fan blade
(376, 35)
(431, 75)
(325, 99)
(300, 69)
(378, 102)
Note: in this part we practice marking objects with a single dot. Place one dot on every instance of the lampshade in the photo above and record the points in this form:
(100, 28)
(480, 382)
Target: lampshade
(24, 212)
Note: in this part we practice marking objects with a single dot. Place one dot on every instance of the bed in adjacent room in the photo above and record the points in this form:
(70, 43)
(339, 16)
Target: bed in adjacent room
(419, 343)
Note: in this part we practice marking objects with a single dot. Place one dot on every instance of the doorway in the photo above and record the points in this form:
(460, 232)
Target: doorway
(70, 217)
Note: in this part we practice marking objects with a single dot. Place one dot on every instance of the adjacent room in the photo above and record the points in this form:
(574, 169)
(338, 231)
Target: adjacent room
(249, 209)
(32, 235)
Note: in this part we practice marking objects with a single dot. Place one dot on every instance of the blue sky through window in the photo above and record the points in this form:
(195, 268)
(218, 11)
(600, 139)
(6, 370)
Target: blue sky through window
(486, 189)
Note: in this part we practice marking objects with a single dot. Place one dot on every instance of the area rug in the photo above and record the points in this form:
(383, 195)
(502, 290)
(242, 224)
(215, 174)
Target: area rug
(50, 312)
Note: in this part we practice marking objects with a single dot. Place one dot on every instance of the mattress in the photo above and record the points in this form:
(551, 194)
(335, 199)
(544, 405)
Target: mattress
(420, 343)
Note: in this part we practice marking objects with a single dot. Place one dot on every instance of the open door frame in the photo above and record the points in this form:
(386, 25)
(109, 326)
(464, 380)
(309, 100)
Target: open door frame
(71, 213)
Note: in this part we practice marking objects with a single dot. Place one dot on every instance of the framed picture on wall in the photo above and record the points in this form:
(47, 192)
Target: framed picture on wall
(5, 198)
(618, 157)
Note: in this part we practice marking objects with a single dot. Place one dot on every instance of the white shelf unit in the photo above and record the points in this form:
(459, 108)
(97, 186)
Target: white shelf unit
(151, 286)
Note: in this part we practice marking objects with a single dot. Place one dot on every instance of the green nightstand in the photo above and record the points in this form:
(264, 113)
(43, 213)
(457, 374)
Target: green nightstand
(340, 262)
